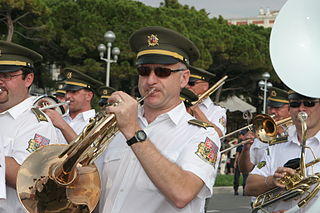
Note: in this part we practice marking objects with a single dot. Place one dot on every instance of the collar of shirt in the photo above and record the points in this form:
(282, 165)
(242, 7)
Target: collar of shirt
(83, 115)
(293, 136)
(18, 109)
(175, 115)
(207, 102)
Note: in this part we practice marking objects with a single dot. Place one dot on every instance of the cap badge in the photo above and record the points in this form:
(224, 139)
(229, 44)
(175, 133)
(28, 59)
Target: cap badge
(273, 93)
(105, 92)
(69, 75)
(153, 40)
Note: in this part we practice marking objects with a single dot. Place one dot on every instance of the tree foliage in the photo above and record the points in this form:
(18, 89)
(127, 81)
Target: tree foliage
(74, 29)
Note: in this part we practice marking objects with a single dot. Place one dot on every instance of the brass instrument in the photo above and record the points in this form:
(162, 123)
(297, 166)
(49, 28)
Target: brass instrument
(265, 129)
(295, 185)
(50, 102)
(211, 90)
(63, 178)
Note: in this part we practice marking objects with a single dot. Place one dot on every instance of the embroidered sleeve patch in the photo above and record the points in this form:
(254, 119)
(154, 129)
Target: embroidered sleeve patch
(261, 164)
(208, 151)
(37, 142)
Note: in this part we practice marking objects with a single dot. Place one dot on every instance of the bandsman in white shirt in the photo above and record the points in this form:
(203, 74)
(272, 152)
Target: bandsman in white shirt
(23, 128)
(80, 89)
(206, 110)
(273, 167)
(163, 160)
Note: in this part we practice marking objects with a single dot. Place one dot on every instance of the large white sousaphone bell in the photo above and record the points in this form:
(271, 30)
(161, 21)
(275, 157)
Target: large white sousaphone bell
(295, 46)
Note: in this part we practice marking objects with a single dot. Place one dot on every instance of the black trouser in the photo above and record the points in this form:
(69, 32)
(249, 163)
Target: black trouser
(236, 179)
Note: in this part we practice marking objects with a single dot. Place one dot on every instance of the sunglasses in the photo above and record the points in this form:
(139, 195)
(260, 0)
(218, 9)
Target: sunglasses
(306, 103)
(161, 72)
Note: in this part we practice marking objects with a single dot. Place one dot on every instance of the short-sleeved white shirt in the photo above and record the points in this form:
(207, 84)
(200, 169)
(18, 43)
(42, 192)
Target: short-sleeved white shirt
(215, 114)
(125, 185)
(257, 151)
(2, 173)
(77, 124)
(280, 154)
(21, 134)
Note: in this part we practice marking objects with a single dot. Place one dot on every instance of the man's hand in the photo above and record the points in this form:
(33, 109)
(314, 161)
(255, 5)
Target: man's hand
(247, 136)
(280, 173)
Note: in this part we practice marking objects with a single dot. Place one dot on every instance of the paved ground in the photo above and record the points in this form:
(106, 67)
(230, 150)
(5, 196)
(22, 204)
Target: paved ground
(226, 202)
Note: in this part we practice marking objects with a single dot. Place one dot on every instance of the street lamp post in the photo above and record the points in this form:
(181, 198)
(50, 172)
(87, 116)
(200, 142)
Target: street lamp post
(264, 85)
(109, 37)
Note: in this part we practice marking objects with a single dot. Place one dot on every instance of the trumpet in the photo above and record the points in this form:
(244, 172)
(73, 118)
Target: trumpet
(64, 178)
(50, 102)
(265, 129)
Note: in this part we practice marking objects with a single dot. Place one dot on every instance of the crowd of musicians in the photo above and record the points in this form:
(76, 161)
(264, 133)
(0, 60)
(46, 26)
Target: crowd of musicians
(166, 154)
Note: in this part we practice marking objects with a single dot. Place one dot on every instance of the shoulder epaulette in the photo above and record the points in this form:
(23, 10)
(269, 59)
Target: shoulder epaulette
(39, 114)
(278, 140)
(200, 123)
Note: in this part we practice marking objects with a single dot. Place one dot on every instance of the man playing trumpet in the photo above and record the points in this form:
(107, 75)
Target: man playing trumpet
(268, 173)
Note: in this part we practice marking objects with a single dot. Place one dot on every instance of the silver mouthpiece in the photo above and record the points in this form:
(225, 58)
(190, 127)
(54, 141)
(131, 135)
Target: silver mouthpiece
(302, 116)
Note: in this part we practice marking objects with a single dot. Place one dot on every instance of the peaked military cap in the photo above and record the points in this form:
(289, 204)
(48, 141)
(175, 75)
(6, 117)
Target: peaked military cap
(105, 93)
(60, 91)
(293, 95)
(13, 57)
(159, 45)
(187, 96)
(277, 97)
(76, 80)
(200, 74)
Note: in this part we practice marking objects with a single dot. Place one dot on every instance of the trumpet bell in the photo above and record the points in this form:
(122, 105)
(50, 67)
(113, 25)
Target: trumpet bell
(295, 46)
(35, 185)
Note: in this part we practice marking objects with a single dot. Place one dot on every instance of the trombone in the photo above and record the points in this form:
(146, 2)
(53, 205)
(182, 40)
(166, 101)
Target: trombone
(211, 90)
(265, 129)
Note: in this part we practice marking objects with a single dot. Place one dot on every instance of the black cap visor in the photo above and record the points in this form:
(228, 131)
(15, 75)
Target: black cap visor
(297, 96)
(275, 104)
(156, 59)
(10, 68)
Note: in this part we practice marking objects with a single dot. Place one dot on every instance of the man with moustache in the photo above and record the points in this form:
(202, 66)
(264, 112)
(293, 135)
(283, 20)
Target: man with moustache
(23, 128)
(162, 160)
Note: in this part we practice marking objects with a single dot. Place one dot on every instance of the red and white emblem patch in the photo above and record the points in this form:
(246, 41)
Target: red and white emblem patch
(37, 142)
(208, 151)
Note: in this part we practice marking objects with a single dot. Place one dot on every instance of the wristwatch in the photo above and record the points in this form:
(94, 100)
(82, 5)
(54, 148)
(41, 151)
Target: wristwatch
(139, 136)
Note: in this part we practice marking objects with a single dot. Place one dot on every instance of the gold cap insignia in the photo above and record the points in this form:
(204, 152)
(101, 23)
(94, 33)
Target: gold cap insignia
(273, 93)
(69, 75)
(105, 92)
(153, 40)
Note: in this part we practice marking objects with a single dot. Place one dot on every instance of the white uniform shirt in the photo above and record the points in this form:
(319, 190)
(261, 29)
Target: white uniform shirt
(125, 185)
(215, 114)
(257, 151)
(21, 134)
(2, 172)
(280, 154)
(77, 124)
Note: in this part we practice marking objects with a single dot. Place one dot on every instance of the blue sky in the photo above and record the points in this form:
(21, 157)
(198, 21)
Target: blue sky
(228, 8)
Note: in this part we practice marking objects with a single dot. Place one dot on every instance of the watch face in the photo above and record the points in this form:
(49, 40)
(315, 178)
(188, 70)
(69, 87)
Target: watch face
(141, 135)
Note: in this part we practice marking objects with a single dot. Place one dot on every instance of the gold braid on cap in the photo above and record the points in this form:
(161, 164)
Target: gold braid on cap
(17, 63)
(77, 84)
(161, 52)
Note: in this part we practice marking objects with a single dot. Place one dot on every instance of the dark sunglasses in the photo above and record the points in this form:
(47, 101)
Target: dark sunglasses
(161, 72)
(306, 103)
